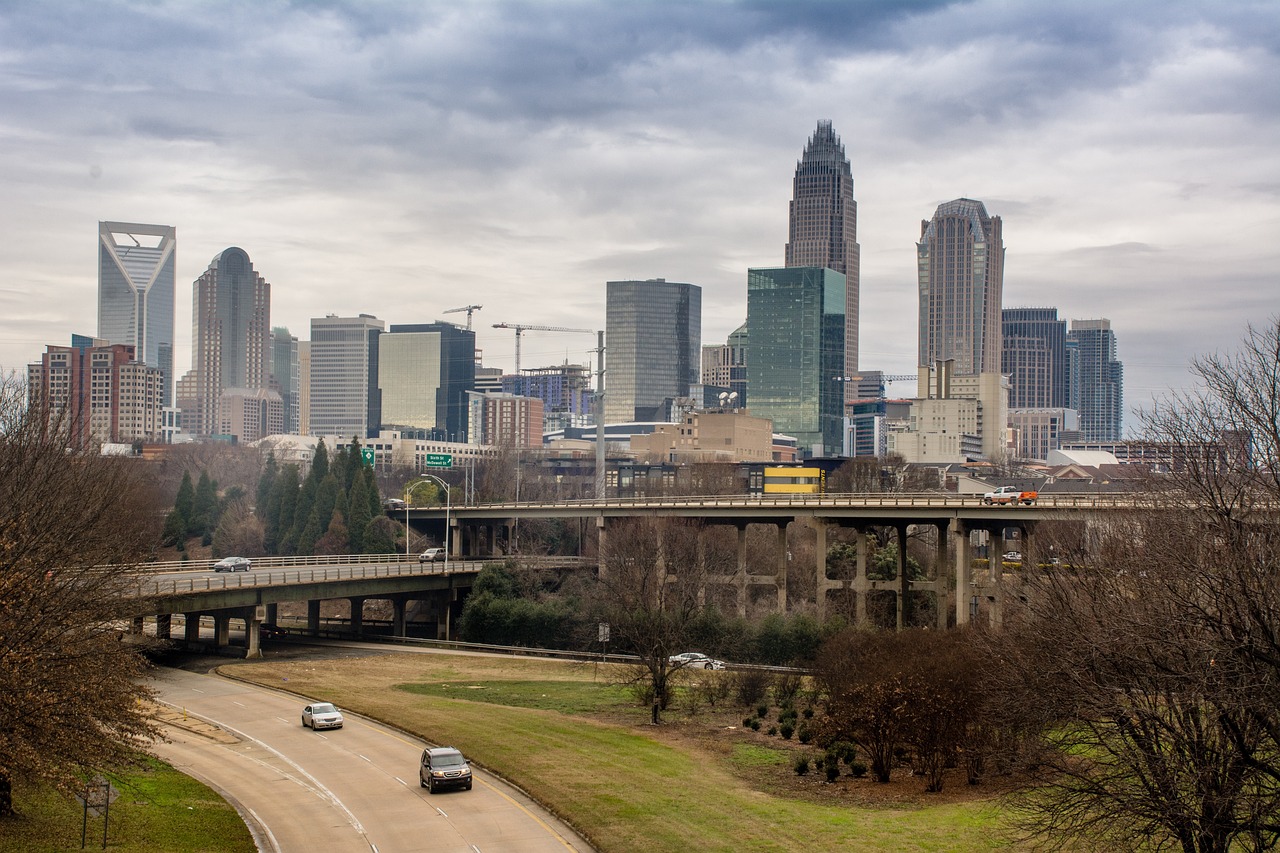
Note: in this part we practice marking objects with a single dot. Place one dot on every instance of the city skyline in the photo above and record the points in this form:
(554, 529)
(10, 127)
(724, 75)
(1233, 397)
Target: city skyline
(384, 162)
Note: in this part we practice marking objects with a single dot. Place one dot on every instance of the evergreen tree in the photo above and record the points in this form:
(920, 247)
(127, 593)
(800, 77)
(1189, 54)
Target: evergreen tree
(326, 501)
(358, 501)
(336, 539)
(380, 536)
(310, 533)
(289, 489)
(354, 463)
(270, 470)
(320, 462)
(302, 513)
(204, 511)
(184, 504)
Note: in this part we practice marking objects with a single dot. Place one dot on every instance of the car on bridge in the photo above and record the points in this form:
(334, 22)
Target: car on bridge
(431, 555)
(1011, 496)
(233, 564)
(694, 660)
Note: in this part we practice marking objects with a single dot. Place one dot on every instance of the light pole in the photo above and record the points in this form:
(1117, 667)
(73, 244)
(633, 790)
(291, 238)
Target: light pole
(448, 505)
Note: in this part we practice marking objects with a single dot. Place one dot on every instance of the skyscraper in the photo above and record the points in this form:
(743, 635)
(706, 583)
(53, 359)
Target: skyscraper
(653, 331)
(286, 375)
(823, 230)
(795, 337)
(230, 334)
(960, 259)
(1034, 357)
(1101, 388)
(424, 373)
(344, 376)
(136, 282)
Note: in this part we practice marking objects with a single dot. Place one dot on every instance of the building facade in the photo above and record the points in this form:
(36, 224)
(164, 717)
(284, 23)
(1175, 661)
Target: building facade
(1100, 389)
(653, 333)
(230, 335)
(136, 284)
(98, 391)
(960, 267)
(286, 376)
(725, 366)
(1035, 357)
(823, 224)
(504, 420)
(795, 363)
(707, 437)
(424, 373)
(565, 392)
(344, 376)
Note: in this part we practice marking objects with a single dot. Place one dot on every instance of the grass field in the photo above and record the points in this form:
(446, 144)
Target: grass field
(571, 737)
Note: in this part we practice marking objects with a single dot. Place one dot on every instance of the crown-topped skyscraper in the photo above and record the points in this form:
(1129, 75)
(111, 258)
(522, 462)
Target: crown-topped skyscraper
(824, 223)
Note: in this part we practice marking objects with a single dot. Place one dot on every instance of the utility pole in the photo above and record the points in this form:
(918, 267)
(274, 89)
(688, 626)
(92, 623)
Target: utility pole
(600, 416)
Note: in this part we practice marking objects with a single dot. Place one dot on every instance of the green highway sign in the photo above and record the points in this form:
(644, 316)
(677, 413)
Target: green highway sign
(366, 454)
(439, 460)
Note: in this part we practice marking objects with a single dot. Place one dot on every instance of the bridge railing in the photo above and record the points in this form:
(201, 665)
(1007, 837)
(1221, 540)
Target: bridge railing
(833, 499)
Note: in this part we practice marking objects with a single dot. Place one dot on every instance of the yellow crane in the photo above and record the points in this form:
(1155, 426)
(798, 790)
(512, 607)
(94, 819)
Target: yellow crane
(521, 327)
(470, 309)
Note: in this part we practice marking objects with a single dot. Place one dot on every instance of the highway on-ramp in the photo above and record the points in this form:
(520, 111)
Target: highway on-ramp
(349, 789)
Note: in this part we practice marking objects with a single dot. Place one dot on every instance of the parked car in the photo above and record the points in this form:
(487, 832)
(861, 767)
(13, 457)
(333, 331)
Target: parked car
(232, 564)
(444, 767)
(695, 660)
(267, 631)
(321, 715)
(431, 555)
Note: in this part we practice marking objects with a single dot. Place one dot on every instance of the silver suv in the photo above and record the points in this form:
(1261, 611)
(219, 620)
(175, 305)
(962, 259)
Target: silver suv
(444, 767)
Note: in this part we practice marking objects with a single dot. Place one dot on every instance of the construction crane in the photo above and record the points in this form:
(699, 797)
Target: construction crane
(470, 309)
(520, 329)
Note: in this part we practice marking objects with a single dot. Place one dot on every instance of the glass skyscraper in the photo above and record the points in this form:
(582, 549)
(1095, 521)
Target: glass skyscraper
(1101, 384)
(344, 376)
(795, 353)
(823, 228)
(960, 262)
(1035, 358)
(653, 339)
(424, 373)
(286, 374)
(136, 282)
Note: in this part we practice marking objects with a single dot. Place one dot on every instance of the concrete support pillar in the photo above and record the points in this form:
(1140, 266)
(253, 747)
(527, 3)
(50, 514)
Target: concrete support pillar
(221, 630)
(904, 585)
(397, 617)
(253, 637)
(820, 557)
(136, 626)
(273, 613)
(941, 576)
(191, 630)
(313, 616)
(164, 624)
(861, 585)
(963, 569)
(602, 546)
(740, 579)
(357, 615)
(782, 567)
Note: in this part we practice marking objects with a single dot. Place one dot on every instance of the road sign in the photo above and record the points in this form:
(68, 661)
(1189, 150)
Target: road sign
(439, 460)
(366, 454)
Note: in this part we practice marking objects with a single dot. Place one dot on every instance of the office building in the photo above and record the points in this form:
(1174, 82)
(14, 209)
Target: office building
(230, 334)
(1039, 432)
(960, 264)
(424, 373)
(504, 420)
(136, 283)
(250, 414)
(98, 392)
(795, 329)
(286, 376)
(1034, 357)
(1100, 388)
(653, 333)
(304, 387)
(823, 225)
(344, 376)
(724, 366)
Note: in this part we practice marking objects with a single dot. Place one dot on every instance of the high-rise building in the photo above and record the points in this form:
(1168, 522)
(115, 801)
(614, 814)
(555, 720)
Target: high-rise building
(230, 334)
(653, 334)
(565, 392)
(424, 373)
(504, 420)
(960, 260)
(1101, 384)
(136, 284)
(795, 333)
(1034, 357)
(725, 366)
(344, 376)
(98, 391)
(286, 375)
(823, 229)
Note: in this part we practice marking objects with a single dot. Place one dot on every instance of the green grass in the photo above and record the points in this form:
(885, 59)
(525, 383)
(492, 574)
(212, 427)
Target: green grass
(565, 697)
(750, 757)
(159, 809)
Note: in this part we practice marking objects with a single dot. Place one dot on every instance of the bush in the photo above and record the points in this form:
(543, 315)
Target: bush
(802, 766)
(857, 769)
(831, 765)
(773, 730)
(786, 730)
(755, 725)
(750, 686)
(762, 711)
(808, 713)
(804, 734)
(746, 722)
(786, 686)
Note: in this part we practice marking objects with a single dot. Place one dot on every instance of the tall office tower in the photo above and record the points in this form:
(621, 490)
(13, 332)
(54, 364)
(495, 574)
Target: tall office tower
(960, 260)
(424, 373)
(653, 334)
(796, 325)
(99, 390)
(725, 366)
(286, 374)
(1035, 358)
(1101, 389)
(230, 334)
(136, 283)
(304, 387)
(344, 376)
(823, 229)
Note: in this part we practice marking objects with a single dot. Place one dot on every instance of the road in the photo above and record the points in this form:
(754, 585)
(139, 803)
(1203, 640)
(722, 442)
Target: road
(350, 789)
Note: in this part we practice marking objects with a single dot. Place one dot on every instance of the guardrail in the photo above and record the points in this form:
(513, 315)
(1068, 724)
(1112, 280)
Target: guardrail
(904, 499)
(342, 560)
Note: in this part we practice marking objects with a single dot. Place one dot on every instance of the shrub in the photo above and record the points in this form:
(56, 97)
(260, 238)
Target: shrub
(786, 730)
(845, 751)
(750, 686)
(746, 722)
(785, 687)
(802, 765)
(755, 725)
(804, 734)
(831, 765)
(762, 711)
(773, 730)
(808, 713)
(857, 769)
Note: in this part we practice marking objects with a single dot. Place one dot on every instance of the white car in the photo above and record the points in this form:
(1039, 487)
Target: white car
(232, 564)
(431, 555)
(321, 715)
(1013, 556)
(695, 660)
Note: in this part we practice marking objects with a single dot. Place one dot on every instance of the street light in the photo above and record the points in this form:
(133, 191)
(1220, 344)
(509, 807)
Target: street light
(448, 502)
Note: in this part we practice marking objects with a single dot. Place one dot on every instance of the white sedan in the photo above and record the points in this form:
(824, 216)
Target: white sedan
(321, 715)
(695, 660)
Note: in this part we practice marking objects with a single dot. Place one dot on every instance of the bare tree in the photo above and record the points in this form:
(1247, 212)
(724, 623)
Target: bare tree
(71, 528)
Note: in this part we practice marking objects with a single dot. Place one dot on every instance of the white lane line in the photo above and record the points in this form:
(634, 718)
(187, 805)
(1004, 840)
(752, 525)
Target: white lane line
(442, 814)
(365, 757)
(286, 722)
(401, 781)
(241, 704)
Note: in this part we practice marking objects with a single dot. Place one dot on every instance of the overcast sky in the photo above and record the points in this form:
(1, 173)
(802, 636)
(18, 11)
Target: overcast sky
(402, 159)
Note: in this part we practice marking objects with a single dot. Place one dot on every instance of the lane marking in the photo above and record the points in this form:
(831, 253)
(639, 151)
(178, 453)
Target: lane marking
(401, 781)
(366, 758)
(442, 814)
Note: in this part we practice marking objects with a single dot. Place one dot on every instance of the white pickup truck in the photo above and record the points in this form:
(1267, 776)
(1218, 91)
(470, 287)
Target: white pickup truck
(1010, 495)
